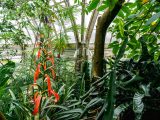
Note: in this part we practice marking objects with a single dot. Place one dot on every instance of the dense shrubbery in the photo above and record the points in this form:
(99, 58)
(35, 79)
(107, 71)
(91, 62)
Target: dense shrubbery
(45, 86)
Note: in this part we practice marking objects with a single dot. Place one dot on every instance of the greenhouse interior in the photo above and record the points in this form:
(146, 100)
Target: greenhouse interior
(79, 59)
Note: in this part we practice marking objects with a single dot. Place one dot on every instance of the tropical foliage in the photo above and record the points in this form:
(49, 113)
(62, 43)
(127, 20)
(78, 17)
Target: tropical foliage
(44, 85)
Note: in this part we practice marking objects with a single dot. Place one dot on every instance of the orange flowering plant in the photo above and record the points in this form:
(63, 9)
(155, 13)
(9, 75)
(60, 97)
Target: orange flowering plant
(45, 69)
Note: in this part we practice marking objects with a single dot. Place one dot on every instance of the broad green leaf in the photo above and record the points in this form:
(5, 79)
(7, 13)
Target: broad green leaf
(115, 49)
(111, 3)
(130, 4)
(93, 5)
(102, 7)
(121, 14)
(126, 10)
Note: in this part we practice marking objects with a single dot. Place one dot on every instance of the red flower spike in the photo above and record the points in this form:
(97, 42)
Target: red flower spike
(49, 84)
(37, 101)
(56, 95)
(50, 91)
(35, 76)
(53, 73)
(35, 95)
(39, 53)
(37, 72)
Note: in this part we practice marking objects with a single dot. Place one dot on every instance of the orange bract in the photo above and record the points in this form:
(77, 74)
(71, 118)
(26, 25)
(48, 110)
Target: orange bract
(53, 73)
(37, 72)
(39, 53)
(56, 95)
(37, 100)
(49, 84)
(50, 91)
(48, 58)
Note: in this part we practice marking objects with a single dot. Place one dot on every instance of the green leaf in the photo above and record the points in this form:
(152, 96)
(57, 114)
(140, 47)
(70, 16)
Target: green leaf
(73, 111)
(115, 47)
(133, 79)
(133, 16)
(121, 27)
(126, 10)
(110, 97)
(111, 3)
(56, 106)
(93, 5)
(93, 102)
(102, 7)
(122, 49)
(153, 18)
(121, 14)
(6, 72)
(12, 95)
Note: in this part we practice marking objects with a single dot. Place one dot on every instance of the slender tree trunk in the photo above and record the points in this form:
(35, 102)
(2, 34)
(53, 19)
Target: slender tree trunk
(102, 24)
(83, 20)
(79, 46)
(73, 22)
(85, 64)
(90, 30)
(80, 57)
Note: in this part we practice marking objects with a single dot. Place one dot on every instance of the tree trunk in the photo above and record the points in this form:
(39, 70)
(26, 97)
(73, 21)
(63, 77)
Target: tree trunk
(102, 24)
(83, 20)
(79, 46)
(73, 22)
(90, 30)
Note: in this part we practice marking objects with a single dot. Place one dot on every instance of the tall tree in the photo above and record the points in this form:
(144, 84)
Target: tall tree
(102, 24)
